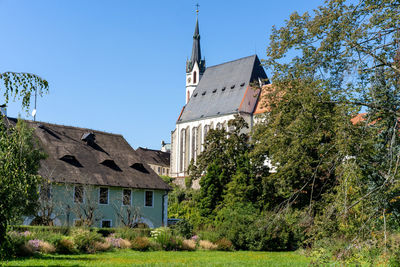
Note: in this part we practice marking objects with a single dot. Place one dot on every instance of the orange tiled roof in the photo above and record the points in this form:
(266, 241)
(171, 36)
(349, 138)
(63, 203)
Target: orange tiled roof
(262, 104)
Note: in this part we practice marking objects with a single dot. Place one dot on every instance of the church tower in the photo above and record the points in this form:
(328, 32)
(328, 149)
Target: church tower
(195, 67)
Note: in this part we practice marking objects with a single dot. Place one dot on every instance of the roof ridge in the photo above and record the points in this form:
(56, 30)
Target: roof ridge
(69, 126)
(231, 61)
(150, 149)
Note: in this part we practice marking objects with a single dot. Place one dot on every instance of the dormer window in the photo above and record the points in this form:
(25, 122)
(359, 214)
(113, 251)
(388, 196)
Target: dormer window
(139, 167)
(111, 164)
(71, 160)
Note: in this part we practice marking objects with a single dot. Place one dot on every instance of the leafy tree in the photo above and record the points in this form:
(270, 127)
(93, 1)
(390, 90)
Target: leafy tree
(227, 172)
(343, 56)
(19, 155)
(19, 164)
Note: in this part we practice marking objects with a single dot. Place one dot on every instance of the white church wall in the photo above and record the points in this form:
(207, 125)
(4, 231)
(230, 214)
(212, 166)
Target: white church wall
(191, 127)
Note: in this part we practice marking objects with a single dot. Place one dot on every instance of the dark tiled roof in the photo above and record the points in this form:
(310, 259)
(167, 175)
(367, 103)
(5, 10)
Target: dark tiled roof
(155, 157)
(107, 161)
(224, 89)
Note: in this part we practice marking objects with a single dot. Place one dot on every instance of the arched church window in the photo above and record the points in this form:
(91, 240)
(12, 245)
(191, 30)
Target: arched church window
(194, 77)
(194, 140)
(182, 150)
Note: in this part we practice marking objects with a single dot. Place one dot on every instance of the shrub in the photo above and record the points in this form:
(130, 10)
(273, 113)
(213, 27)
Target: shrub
(188, 244)
(118, 242)
(66, 245)
(46, 247)
(16, 243)
(32, 246)
(141, 243)
(85, 239)
(183, 228)
(224, 244)
(131, 233)
(211, 235)
(207, 245)
(100, 246)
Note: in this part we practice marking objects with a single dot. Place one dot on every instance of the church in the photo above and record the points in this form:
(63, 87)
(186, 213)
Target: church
(214, 95)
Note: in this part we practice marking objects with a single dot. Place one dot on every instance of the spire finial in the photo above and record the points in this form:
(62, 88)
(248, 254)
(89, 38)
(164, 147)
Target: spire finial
(197, 9)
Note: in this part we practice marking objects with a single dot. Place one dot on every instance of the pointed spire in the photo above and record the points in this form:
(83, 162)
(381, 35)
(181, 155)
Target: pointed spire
(196, 51)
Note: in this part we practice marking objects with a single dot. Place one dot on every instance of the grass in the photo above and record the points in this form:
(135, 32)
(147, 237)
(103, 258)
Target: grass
(162, 258)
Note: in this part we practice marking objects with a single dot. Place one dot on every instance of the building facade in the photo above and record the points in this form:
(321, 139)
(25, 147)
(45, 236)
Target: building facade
(214, 95)
(95, 178)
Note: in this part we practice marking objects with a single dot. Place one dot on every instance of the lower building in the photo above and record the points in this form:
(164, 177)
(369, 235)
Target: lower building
(96, 179)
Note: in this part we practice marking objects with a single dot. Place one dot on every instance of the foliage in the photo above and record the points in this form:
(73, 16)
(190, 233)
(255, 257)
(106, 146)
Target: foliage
(85, 239)
(224, 244)
(227, 176)
(141, 243)
(207, 245)
(19, 164)
(164, 237)
(66, 245)
(182, 228)
(346, 56)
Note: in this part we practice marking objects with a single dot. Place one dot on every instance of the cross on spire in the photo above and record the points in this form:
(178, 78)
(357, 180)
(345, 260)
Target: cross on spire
(197, 8)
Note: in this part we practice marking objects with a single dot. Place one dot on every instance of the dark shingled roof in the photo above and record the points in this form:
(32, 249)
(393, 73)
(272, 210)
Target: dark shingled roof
(107, 161)
(224, 89)
(155, 157)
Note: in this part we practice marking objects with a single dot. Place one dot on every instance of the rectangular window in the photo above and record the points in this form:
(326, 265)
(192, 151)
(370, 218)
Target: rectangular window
(163, 170)
(159, 170)
(148, 202)
(45, 192)
(103, 195)
(105, 223)
(126, 197)
(78, 194)
(167, 172)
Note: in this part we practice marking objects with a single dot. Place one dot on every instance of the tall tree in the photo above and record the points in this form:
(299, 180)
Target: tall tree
(19, 154)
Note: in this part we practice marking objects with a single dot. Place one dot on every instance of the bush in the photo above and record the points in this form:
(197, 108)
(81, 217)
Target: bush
(16, 243)
(141, 243)
(85, 240)
(66, 245)
(224, 245)
(189, 244)
(164, 237)
(118, 242)
(101, 246)
(207, 245)
(131, 233)
(183, 228)
(210, 235)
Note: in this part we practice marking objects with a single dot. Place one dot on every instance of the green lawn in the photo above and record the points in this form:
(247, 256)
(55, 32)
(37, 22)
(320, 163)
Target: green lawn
(173, 258)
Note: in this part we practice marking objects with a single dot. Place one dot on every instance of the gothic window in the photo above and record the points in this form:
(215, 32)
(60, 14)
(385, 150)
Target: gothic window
(194, 133)
(194, 77)
(182, 150)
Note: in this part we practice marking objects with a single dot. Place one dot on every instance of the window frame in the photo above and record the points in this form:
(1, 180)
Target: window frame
(83, 194)
(106, 220)
(130, 200)
(152, 199)
(108, 195)
(50, 192)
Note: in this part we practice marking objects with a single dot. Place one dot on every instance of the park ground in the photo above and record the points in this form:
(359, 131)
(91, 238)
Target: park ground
(167, 258)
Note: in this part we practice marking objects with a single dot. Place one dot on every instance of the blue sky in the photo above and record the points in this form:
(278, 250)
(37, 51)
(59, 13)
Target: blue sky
(119, 66)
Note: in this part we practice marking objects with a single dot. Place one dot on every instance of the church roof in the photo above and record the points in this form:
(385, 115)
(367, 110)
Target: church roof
(225, 89)
(105, 159)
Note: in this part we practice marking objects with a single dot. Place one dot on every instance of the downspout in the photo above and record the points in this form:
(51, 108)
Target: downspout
(164, 218)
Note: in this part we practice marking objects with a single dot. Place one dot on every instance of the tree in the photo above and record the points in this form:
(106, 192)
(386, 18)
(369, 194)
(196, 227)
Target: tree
(226, 171)
(19, 153)
(19, 164)
(344, 57)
